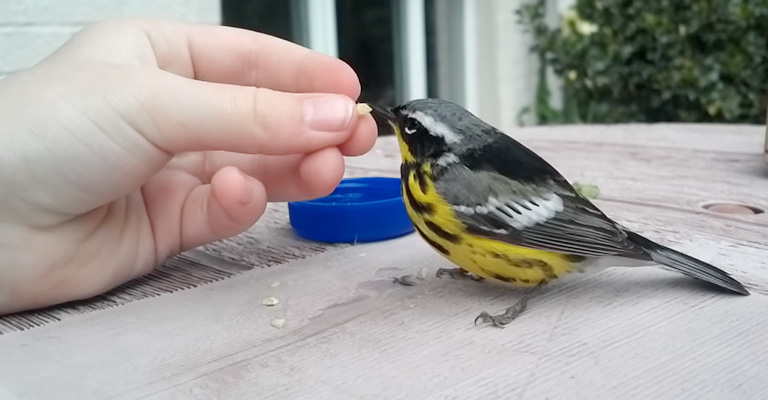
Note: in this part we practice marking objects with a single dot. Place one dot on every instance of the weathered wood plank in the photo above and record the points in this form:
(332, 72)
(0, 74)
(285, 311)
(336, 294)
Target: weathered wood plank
(269, 242)
(735, 138)
(352, 333)
(638, 171)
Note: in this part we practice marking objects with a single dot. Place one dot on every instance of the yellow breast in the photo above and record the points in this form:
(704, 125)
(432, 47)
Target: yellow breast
(436, 222)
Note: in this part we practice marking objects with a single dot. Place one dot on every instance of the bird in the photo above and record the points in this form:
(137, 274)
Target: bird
(499, 211)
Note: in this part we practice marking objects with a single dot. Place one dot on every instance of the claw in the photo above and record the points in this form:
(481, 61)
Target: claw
(405, 280)
(456, 273)
(484, 316)
(452, 272)
(510, 314)
(501, 320)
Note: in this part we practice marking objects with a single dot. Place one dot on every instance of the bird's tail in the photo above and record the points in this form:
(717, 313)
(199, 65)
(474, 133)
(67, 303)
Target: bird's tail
(688, 265)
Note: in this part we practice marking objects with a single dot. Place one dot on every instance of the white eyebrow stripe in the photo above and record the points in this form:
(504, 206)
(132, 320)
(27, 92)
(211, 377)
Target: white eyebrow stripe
(435, 127)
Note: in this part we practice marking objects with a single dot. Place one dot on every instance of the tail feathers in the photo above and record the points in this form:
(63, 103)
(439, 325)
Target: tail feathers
(688, 265)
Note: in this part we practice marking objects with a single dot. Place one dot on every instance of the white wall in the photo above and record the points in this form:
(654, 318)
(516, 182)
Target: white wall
(483, 61)
(32, 29)
(506, 70)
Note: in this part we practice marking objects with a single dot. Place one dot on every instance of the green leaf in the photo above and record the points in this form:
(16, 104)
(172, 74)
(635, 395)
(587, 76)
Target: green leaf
(683, 61)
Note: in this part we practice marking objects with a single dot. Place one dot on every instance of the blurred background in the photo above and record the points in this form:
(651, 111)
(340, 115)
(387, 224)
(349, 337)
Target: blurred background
(512, 62)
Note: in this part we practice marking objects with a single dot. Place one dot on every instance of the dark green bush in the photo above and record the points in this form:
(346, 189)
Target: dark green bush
(657, 60)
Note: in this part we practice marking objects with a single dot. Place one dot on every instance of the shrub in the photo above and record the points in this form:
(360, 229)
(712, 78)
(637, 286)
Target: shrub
(659, 60)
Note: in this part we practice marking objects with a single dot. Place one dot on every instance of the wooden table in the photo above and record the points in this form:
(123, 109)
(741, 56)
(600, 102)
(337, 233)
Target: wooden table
(197, 328)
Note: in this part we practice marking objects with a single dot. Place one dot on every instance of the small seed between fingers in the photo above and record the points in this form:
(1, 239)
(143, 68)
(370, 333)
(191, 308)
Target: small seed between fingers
(363, 108)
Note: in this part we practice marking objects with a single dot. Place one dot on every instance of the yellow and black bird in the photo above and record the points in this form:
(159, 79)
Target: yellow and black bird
(499, 211)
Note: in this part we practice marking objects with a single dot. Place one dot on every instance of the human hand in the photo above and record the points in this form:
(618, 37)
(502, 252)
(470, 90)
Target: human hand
(140, 139)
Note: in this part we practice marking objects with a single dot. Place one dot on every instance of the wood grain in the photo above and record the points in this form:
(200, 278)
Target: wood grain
(352, 333)
(677, 172)
(269, 242)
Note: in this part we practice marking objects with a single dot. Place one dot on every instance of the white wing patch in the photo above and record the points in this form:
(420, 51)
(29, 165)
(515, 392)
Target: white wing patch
(447, 159)
(434, 127)
(518, 214)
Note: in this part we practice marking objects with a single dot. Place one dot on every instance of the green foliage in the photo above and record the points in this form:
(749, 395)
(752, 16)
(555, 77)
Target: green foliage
(659, 60)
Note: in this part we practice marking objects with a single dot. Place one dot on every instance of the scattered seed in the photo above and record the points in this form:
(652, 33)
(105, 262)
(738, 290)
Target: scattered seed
(587, 190)
(270, 301)
(275, 284)
(422, 274)
(278, 323)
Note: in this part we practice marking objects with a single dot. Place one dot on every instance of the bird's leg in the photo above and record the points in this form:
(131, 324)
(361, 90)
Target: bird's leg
(457, 273)
(511, 313)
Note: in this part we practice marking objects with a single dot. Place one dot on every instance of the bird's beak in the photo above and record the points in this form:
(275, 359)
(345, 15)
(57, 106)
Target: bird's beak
(382, 112)
(383, 116)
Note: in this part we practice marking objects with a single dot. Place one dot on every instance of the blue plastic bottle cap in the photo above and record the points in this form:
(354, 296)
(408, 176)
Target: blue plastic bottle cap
(359, 210)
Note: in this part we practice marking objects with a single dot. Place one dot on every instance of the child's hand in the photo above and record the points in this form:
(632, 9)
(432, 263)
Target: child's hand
(139, 139)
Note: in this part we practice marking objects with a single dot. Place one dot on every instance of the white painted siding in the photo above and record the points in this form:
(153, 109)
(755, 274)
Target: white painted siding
(503, 71)
(32, 29)
(506, 70)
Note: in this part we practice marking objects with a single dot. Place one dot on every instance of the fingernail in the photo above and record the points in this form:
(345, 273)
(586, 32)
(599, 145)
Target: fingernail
(328, 113)
(246, 192)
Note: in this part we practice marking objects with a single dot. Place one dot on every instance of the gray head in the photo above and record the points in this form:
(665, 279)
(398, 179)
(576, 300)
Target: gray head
(432, 128)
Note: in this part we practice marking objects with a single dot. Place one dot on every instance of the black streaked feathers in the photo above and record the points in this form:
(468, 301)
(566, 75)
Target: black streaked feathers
(419, 207)
(578, 229)
(502, 190)
(420, 143)
(495, 156)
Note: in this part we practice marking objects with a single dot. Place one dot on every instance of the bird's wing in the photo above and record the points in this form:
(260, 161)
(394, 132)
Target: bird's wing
(546, 215)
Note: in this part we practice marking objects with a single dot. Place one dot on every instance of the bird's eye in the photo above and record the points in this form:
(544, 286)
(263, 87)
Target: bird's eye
(410, 126)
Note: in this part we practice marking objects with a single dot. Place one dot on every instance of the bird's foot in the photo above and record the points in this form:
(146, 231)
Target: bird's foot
(512, 312)
(505, 318)
(457, 273)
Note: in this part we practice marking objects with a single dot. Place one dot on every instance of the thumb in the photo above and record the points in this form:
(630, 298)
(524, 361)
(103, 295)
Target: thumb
(190, 115)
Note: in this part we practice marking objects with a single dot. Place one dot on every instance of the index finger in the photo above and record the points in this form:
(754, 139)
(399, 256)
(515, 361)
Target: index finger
(237, 56)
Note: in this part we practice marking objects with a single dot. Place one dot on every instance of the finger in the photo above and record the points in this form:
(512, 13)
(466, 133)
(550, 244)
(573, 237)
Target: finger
(228, 55)
(284, 177)
(289, 178)
(319, 174)
(362, 140)
(230, 204)
(187, 115)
